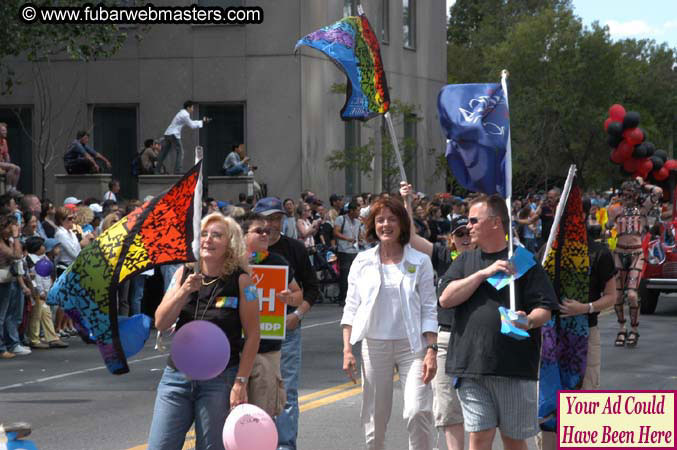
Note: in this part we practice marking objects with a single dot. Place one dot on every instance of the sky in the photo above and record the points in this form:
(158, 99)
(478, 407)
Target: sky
(648, 19)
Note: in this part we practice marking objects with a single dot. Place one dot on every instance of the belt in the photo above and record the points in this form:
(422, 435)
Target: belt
(446, 328)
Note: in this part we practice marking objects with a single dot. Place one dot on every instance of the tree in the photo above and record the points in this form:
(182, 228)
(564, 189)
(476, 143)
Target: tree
(39, 41)
(362, 158)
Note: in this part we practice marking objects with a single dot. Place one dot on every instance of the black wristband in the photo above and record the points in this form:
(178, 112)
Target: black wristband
(432, 346)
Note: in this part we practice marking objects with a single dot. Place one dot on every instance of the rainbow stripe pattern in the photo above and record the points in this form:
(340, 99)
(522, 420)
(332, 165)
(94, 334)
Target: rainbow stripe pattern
(565, 339)
(158, 232)
(353, 47)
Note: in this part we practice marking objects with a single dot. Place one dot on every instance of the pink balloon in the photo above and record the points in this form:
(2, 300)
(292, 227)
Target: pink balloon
(201, 350)
(248, 427)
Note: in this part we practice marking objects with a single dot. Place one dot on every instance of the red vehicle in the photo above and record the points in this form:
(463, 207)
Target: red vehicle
(660, 269)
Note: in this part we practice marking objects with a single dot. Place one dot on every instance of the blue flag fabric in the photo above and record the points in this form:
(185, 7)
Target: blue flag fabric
(476, 121)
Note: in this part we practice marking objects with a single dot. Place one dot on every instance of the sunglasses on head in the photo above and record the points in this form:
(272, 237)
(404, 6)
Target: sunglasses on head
(259, 230)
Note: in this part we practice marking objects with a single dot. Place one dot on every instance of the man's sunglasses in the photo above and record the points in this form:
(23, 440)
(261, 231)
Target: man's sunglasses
(475, 220)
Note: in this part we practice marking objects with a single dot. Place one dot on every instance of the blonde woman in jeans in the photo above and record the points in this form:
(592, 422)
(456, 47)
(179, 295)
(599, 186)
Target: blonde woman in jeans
(392, 308)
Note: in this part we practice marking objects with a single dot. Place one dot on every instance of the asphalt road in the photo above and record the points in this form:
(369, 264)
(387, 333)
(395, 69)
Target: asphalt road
(74, 404)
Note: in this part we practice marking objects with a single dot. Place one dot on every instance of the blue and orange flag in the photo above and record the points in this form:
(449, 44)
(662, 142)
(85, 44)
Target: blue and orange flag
(476, 122)
(164, 230)
(353, 47)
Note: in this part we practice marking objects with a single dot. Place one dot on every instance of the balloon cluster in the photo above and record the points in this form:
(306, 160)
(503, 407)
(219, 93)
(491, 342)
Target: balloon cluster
(631, 149)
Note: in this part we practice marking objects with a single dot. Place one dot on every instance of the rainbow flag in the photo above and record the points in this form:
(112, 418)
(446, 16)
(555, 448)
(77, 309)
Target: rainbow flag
(353, 47)
(164, 230)
(565, 339)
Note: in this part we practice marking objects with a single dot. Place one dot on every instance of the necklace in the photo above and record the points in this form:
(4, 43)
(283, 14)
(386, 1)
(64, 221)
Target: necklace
(209, 282)
(211, 299)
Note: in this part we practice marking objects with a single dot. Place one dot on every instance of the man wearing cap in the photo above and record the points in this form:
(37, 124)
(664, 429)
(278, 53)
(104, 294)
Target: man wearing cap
(294, 252)
(347, 234)
(71, 201)
(81, 158)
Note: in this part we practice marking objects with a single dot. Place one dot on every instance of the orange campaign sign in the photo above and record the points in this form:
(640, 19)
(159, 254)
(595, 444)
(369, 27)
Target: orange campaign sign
(270, 280)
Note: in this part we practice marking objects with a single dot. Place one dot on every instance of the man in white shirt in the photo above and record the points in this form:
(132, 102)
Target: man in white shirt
(113, 190)
(173, 136)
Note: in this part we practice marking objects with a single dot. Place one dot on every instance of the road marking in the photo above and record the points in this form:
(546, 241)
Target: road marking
(331, 399)
(320, 324)
(77, 372)
(331, 390)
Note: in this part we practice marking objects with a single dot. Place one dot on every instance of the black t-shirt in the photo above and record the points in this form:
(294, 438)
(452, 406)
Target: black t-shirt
(479, 347)
(273, 259)
(602, 268)
(441, 261)
(295, 252)
(547, 219)
(217, 303)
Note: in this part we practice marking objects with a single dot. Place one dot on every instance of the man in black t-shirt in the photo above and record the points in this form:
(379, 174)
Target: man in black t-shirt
(497, 374)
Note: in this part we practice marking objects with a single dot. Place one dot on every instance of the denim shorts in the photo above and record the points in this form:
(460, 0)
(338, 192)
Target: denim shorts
(511, 404)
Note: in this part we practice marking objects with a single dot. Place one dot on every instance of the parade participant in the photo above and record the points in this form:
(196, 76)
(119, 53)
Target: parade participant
(173, 136)
(446, 405)
(391, 308)
(630, 220)
(222, 273)
(265, 388)
(12, 171)
(347, 234)
(497, 375)
(294, 252)
(601, 295)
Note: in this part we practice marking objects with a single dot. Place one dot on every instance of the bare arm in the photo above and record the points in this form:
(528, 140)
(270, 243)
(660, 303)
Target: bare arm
(249, 316)
(535, 319)
(349, 362)
(305, 230)
(339, 235)
(417, 242)
(175, 298)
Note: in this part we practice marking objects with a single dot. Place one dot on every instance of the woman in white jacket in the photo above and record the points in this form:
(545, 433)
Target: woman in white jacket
(392, 308)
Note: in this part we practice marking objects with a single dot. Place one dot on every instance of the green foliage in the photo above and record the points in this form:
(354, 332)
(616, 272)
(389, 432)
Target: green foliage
(39, 42)
(563, 78)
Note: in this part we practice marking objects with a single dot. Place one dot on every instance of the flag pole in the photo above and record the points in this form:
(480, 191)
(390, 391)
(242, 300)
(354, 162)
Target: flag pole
(508, 185)
(393, 138)
(197, 208)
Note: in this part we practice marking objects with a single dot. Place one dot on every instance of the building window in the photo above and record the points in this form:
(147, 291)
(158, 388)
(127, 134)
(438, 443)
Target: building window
(385, 21)
(409, 23)
(410, 147)
(115, 137)
(349, 8)
(220, 3)
(226, 129)
(352, 146)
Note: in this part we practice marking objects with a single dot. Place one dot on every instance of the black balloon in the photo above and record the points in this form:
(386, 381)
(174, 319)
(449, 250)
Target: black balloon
(657, 162)
(615, 129)
(650, 148)
(662, 154)
(640, 151)
(631, 120)
(613, 140)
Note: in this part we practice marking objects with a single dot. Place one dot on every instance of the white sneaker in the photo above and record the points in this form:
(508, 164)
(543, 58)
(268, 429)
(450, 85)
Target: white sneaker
(21, 350)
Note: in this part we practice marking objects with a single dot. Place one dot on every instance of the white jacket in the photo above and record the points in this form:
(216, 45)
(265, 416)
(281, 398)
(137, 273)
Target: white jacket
(417, 294)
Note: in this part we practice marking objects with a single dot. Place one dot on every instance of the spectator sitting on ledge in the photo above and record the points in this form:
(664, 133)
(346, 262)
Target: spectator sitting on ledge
(236, 163)
(80, 158)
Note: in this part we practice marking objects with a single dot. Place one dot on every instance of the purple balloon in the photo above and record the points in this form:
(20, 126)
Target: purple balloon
(201, 350)
(44, 267)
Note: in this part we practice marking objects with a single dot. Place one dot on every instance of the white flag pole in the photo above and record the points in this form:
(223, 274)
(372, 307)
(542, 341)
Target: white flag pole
(559, 211)
(197, 209)
(508, 185)
(393, 137)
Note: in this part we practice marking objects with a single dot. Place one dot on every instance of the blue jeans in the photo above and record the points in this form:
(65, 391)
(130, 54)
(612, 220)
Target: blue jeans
(11, 313)
(290, 367)
(169, 141)
(240, 169)
(180, 401)
(168, 271)
(136, 294)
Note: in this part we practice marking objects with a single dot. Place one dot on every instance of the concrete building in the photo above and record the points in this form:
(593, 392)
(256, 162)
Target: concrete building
(284, 107)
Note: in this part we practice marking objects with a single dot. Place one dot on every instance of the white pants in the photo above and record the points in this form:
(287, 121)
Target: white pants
(379, 359)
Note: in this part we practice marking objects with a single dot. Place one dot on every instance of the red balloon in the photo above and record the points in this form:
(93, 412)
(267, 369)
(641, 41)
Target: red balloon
(617, 112)
(625, 151)
(645, 166)
(632, 165)
(671, 164)
(616, 157)
(634, 136)
(606, 123)
(661, 174)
